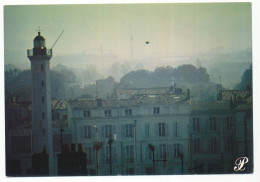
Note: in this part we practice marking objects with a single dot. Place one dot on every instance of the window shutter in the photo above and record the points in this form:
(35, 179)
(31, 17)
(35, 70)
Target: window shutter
(156, 129)
(146, 152)
(103, 156)
(102, 132)
(146, 128)
(114, 155)
(166, 129)
(207, 124)
(114, 129)
(179, 129)
(174, 129)
(93, 132)
(169, 151)
(81, 131)
(123, 131)
(209, 143)
(218, 146)
(181, 149)
(218, 124)
(156, 152)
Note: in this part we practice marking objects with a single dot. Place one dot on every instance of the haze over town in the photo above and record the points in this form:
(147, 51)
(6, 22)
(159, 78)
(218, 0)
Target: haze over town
(111, 38)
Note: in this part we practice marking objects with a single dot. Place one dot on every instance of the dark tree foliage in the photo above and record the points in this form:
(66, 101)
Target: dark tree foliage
(185, 77)
(164, 76)
(191, 74)
(19, 83)
(246, 80)
(139, 78)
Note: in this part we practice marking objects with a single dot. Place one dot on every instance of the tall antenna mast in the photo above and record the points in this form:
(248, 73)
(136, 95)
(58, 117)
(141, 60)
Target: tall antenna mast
(56, 41)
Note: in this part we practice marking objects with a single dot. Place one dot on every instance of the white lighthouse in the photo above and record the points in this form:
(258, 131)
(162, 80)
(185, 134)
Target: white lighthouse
(42, 138)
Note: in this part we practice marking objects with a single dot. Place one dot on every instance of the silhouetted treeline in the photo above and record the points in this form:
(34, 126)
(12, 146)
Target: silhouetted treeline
(246, 80)
(19, 83)
(66, 84)
(164, 76)
(184, 76)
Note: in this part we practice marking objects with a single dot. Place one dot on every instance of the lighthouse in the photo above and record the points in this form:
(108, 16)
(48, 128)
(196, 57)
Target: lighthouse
(42, 137)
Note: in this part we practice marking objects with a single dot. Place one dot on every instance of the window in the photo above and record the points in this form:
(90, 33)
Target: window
(89, 155)
(176, 150)
(161, 129)
(41, 66)
(130, 171)
(86, 113)
(108, 130)
(108, 112)
(212, 123)
(43, 115)
(149, 152)
(175, 129)
(129, 130)
(214, 145)
(196, 126)
(128, 112)
(229, 144)
(87, 131)
(156, 110)
(162, 151)
(129, 153)
(42, 99)
(42, 83)
(196, 145)
(229, 123)
(58, 115)
(146, 127)
(107, 155)
(65, 117)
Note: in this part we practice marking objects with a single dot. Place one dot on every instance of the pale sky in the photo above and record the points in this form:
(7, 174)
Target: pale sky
(174, 30)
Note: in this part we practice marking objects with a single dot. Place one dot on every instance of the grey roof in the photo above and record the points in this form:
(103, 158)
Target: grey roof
(144, 91)
(58, 104)
(209, 105)
(142, 100)
(242, 95)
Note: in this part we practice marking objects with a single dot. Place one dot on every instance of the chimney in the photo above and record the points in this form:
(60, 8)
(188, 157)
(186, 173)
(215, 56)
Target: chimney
(172, 89)
(66, 148)
(99, 102)
(80, 148)
(188, 94)
(73, 148)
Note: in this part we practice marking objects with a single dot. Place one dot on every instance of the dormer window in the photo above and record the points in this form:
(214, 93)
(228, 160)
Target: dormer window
(108, 112)
(156, 110)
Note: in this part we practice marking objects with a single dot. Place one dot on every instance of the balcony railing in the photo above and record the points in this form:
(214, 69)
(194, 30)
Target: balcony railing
(47, 52)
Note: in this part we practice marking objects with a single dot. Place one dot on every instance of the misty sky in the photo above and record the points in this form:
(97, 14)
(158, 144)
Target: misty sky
(174, 30)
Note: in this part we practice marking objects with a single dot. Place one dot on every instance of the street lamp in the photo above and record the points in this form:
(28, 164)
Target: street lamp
(97, 145)
(151, 146)
(110, 142)
(181, 156)
(134, 126)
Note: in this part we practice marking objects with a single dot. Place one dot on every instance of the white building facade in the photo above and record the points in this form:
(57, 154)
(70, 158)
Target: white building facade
(150, 136)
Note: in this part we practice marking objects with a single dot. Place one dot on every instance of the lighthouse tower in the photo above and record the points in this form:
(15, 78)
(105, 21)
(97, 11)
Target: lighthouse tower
(41, 99)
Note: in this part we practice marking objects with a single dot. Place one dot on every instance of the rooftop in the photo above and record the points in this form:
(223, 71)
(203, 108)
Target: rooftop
(209, 105)
(244, 96)
(142, 100)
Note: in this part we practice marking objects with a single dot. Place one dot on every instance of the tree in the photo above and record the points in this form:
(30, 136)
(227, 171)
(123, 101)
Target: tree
(246, 80)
